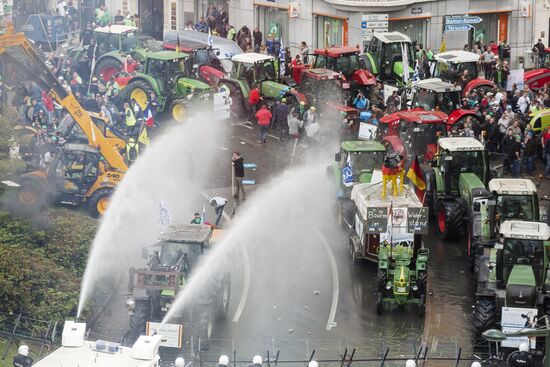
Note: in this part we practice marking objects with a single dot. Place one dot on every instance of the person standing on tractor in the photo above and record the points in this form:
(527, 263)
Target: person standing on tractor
(238, 169)
(132, 151)
(218, 203)
(264, 119)
(304, 51)
(254, 101)
(393, 100)
(22, 358)
(196, 219)
(130, 120)
(521, 358)
(258, 38)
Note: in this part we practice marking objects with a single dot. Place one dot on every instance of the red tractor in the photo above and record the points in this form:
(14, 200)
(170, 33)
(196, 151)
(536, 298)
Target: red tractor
(414, 132)
(346, 61)
(539, 78)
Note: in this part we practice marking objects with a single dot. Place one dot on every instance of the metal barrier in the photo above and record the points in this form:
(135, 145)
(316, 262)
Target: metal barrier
(14, 328)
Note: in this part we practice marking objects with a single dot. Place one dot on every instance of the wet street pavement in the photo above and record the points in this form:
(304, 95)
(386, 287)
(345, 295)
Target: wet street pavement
(326, 305)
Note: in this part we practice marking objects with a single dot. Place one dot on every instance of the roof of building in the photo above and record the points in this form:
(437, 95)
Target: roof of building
(391, 37)
(437, 85)
(251, 58)
(455, 144)
(336, 51)
(188, 233)
(512, 186)
(457, 57)
(526, 230)
(362, 146)
(116, 29)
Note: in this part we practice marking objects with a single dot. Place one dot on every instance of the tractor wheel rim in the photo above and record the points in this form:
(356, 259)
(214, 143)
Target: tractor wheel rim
(140, 97)
(441, 220)
(178, 112)
(102, 205)
(108, 72)
(28, 197)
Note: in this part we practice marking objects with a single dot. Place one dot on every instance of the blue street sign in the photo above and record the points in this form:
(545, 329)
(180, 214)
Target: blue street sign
(457, 28)
(249, 182)
(463, 20)
(364, 25)
(250, 165)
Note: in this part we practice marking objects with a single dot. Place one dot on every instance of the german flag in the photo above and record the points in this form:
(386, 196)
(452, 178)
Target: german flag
(417, 178)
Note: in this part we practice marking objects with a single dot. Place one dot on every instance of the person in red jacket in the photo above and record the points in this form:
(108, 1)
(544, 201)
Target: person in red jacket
(254, 101)
(264, 119)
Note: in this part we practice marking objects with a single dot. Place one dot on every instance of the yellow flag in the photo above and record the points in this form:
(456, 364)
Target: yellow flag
(144, 137)
(443, 46)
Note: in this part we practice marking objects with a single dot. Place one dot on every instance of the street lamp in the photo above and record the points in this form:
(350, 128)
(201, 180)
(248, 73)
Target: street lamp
(494, 335)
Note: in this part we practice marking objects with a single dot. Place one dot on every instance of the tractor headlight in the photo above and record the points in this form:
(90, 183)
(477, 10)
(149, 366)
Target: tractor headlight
(415, 288)
(388, 286)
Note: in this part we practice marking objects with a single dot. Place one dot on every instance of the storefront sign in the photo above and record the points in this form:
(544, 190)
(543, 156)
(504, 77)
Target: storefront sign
(515, 319)
(377, 220)
(171, 334)
(502, 27)
(294, 10)
(416, 10)
(374, 25)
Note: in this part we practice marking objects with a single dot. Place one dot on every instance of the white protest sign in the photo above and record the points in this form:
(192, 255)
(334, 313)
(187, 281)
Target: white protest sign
(172, 334)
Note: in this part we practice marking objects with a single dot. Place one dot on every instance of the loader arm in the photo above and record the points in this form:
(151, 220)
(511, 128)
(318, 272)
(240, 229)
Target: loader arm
(17, 50)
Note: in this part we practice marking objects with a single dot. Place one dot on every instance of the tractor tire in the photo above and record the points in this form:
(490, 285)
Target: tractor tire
(485, 314)
(138, 321)
(381, 280)
(99, 202)
(422, 305)
(379, 304)
(451, 219)
(140, 90)
(203, 323)
(222, 309)
(107, 67)
(178, 109)
(352, 254)
(32, 195)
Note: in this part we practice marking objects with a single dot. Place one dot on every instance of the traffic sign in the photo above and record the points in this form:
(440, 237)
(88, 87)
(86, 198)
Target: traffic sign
(463, 20)
(458, 28)
(374, 17)
(374, 24)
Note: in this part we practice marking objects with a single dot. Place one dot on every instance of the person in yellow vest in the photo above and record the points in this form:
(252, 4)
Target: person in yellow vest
(132, 151)
(130, 120)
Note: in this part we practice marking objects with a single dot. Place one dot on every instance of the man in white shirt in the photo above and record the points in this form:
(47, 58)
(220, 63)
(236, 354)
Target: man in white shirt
(523, 102)
(218, 203)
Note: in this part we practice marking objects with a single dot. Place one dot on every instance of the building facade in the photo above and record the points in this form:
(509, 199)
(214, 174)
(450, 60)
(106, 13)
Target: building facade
(322, 23)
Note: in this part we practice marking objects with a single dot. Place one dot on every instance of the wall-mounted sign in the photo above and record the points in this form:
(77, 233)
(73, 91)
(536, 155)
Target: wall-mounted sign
(294, 9)
(416, 10)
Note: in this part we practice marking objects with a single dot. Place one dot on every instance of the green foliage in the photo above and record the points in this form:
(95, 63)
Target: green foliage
(41, 268)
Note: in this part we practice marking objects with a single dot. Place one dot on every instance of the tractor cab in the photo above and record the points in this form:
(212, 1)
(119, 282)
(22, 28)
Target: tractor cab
(415, 132)
(521, 260)
(123, 38)
(357, 161)
(322, 86)
(387, 54)
(254, 68)
(346, 61)
(436, 95)
(73, 133)
(450, 66)
(165, 67)
(515, 199)
(463, 163)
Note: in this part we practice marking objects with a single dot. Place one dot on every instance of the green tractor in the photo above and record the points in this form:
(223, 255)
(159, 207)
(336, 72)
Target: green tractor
(458, 175)
(114, 43)
(402, 277)
(508, 199)
(388, 55)
(251, 69)
(167, 74)
(512, 283)
(153, 289)
(355, 163)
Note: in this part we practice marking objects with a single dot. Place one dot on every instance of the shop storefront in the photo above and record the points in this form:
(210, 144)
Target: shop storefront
(493, 27)
(274, 21)
(416, 29)
(330, 31)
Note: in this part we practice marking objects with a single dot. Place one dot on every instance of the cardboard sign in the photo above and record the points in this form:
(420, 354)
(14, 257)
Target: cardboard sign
(172, 334)
(377, 219)
(516, 76)
(367, 131)
(417, 220)
(515, 319)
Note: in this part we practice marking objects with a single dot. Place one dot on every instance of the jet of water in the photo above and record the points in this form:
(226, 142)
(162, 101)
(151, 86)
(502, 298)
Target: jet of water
(171, 171)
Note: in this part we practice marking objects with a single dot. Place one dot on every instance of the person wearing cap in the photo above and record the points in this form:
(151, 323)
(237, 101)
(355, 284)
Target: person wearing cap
(522, 357)
(131, 151)
(218, 203)
(280, 118)
(196, 219)
(22, 358)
